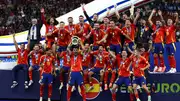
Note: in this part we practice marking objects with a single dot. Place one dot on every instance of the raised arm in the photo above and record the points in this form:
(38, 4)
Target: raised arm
(28, 44)
(15, 43)
(87, 36)
(150, 17)
(177, 19)
(116, 12)
(160, 14)
(137, 16)
(132, 11)
(85, 14)
(108, 12)
(43, 17)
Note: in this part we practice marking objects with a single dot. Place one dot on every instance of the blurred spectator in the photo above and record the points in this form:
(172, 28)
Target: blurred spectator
(17, 15)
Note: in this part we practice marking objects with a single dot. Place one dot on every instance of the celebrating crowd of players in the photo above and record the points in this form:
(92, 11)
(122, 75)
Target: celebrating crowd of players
(103, 48)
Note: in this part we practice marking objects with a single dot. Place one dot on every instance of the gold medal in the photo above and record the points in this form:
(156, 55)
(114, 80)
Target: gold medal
(48, 63)
(167, 32)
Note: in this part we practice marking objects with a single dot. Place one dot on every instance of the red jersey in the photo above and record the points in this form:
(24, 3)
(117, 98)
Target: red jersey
(81, 30)
(130, 32)
(86, 60)
(170, 34)
(138, 64)
(48, 63)
(49, 29)
(146, 55)
(123, 66)
(76, 63)
(97, 36)
(114, 35)
(22, 56)
(36, 56)
(66, 58)
(100, 59)
(158, 37)
(63, 37)
(70, 28)
(104, 27)
(110, 63)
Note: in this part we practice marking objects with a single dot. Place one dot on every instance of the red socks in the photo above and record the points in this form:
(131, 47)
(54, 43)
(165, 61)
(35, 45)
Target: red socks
(106, 77)
(85, 77)
(114, 96)
(83, 93)
(30, 75)
(61, 77)
(136, 95)
(131, 97)
(161, 58)
(69, 93)
(155, 60)
(40, 73)
(49, 90)
(113, 77)
(172, 61)
(41, 90)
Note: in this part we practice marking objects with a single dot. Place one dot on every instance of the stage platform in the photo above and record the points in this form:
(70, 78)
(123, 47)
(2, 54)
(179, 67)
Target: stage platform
(167, 85)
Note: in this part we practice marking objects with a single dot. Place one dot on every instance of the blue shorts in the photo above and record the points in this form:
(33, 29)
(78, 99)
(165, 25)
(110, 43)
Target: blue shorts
(85, 67)
(131, 44)
(62, 48)
(48, 78)
(171, 48)
(96, 70)
(35, 67)
(139, 80)
(95, 48)
(66, 69)
(75, 78)
(115, 48)
(123, 80)
(158, 48)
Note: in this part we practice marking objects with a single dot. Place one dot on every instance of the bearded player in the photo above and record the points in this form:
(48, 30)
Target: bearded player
(76, 71)
(50, 27)
(47, 62)
(123, 75)
(97, 35)
(158, 40)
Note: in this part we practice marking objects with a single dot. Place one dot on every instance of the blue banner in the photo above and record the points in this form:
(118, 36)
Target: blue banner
(167, 89)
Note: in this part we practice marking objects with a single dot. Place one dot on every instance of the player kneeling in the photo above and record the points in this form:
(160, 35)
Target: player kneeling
(139, 64)
(47, 64)
(124, 75)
